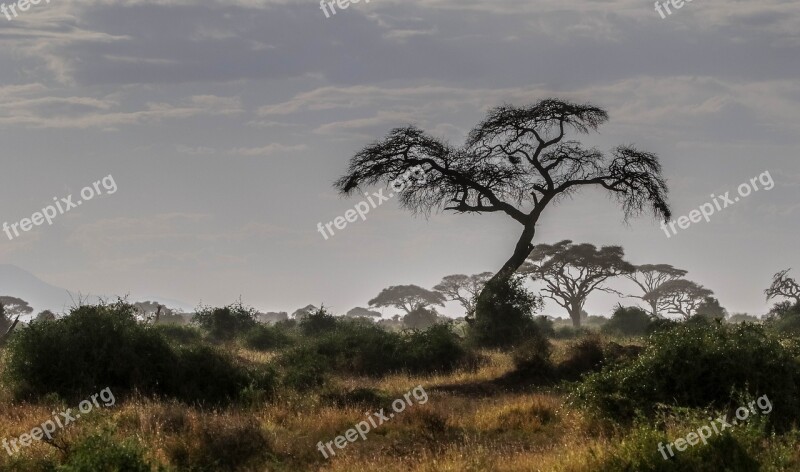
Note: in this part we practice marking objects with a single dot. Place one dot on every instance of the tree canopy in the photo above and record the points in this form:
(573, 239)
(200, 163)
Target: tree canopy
(517, 161)
(571, 272)
(407, 298)
(463, 288)
(680, 297)
(783, 286)
(651, 276)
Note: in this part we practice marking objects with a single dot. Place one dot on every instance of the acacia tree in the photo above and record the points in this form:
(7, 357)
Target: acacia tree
(359, 312)
(11, 307)
(463, 288)
(571, 272)
(651, 276)
(517, 161)
(408, 298)
(680, 297)
(783, 286)
(710, 308)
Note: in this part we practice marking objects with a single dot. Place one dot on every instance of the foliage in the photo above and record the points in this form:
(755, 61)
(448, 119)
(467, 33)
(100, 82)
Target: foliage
(504, 314)
(628, 321)
(223, 324)
(680, 297)
(649, 277)
(711, 309)
(698, 364)
(464, 289)
(111, 350)
(408, 298)
(317, 323)
(421, 318)
(101, 452)
(266, 338)
(571, 272)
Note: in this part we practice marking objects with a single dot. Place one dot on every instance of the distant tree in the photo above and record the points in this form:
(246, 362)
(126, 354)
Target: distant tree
(408, 298)
(359, 312)
(301, 313)
(628, 321)
(517, 161)
(710, 308)
(225, 323)
(272, 317)
(783, 286)
(421, 318)
(464, 289)
(45, 315)
(11, 307)
(649, 277)
(742, 318)
(680, 297)
(151, 311)
(571, 272)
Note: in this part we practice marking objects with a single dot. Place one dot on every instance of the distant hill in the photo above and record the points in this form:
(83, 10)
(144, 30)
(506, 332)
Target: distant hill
(41, 295)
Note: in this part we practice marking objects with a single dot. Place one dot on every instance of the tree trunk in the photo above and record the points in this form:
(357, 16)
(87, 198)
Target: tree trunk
(7, 334)
(575, 311)
(521, 252)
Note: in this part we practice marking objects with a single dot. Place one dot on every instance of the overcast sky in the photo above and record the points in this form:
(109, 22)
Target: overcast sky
(225, 124)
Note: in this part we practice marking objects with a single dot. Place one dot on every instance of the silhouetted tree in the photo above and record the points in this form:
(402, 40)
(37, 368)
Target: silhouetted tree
(45, 315)
(420, 318)
(407, 298)
(649, 277)
(463, 289)
(359, 312)
(571, 272)
(11, 307)
(517, 162)
(680, 297)
(783, 286)
(302, 313)
(710, 308)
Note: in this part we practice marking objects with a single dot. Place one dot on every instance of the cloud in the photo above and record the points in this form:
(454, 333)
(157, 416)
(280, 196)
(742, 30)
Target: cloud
(269, 149)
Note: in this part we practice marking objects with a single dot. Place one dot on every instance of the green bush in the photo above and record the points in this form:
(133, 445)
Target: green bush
(583, 356)
(734, 451)
(102, 346)
(101, 453)
(784, 318)
(317, 323)
(179, 334)
(628, 321)
(504, 314)
(224, 324)
(266, 338)
(304, 368)
(700, 365)
(359, 349)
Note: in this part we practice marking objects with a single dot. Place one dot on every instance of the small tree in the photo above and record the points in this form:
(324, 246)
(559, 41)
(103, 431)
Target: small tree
(710, 308)
(504, 315)
(301, 313)
(464, 289)
(11, 307)
(651, 276)
(680, 297)
(408, 298)
(571, 272)
(421, 318)
(628, 321)
(783, 286)
(359, 312)
(45, 315)
(224, 324)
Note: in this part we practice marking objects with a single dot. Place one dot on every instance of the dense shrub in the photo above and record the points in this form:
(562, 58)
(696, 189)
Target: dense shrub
(304, 368)
(532, 362)
(179, 334)
(421, 318)
(223, 324)
(569, 332)
(102, 346)
(698, 365)
(317, 323)
(784, 317)
(628, 321)
(101, 452)
(266, 338)
(504, 314)
(545, 326)
(359, 349)
(583, 356)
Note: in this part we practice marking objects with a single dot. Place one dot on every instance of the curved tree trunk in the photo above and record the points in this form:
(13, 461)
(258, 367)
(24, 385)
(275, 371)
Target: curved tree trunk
(521, 252)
